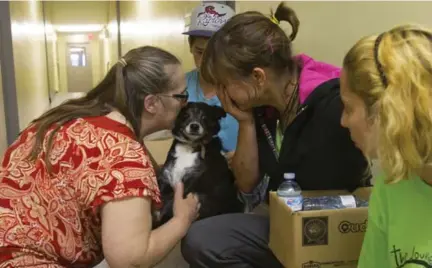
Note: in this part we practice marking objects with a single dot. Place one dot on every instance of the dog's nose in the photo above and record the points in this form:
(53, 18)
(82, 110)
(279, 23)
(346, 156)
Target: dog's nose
(194, 127)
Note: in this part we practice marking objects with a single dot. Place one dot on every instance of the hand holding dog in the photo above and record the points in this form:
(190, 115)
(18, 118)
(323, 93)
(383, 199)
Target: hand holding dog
(231, 108)
(185, 209)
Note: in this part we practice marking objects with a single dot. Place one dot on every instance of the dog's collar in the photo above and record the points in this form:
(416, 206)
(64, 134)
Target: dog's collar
(180, 139)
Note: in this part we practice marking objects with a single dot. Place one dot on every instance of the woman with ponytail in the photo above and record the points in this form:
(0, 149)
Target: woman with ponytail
(288, 108)
(77, 185)
(386, 88)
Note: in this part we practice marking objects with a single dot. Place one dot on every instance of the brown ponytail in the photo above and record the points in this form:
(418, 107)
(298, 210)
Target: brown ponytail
(121, 96)
(285, 13)
(250, 40)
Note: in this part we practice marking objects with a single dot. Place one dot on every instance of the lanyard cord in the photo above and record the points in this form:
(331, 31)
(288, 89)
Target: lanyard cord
(291, 106)
(269, 139)
(279, 136)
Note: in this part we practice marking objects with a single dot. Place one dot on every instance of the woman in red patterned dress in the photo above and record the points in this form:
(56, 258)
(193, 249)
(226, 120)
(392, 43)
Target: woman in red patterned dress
(77, 184)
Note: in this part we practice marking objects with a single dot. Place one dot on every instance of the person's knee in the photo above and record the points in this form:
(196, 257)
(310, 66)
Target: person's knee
(193, 244)
(202, 241)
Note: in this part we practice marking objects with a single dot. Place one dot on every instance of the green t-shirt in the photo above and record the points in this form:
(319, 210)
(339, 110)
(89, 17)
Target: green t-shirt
(399, 232)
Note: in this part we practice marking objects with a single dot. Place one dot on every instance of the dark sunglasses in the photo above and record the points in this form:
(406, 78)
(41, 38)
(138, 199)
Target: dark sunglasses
(184, 96)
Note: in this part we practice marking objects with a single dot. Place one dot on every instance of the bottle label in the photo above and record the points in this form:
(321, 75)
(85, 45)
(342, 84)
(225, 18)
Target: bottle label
(295, 202)
(348, 201)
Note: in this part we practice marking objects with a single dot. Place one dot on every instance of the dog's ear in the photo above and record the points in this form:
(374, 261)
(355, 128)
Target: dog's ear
(219, 112)
(188, 104)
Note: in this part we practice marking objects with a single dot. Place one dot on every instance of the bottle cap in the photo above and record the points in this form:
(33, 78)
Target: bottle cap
(289, 176)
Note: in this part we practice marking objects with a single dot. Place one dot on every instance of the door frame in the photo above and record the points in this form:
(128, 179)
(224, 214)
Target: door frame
(51, 91)
(88, 50)
(8, 74)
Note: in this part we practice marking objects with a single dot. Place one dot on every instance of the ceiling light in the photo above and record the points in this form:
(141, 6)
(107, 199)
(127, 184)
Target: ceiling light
(81, 28)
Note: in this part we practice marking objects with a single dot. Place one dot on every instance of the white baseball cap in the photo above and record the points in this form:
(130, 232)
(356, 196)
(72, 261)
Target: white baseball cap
(208, 18)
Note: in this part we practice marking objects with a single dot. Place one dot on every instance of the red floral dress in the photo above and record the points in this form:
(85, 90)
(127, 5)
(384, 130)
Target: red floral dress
(52, 219)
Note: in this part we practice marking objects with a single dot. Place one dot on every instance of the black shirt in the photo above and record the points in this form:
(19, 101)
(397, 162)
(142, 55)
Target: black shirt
(315, 146)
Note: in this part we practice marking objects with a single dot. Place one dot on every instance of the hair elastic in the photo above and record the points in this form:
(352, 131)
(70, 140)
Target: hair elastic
(274, 19)
(122, 62)
(377, 63)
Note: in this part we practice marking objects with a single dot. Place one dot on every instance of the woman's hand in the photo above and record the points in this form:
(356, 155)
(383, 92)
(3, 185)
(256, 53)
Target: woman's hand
(232, 108)
(185, 209)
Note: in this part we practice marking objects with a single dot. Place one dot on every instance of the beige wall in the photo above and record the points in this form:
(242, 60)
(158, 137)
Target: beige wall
(112, 41)
(3, 138)
(108, 41)
(157, 23)
(78, 12)
(96, 58)
(104, 52)
(29, 59)
(329, 29)
(53, 67)
(52, 54)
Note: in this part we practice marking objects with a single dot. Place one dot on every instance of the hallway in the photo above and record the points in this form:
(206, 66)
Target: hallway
(73, 44)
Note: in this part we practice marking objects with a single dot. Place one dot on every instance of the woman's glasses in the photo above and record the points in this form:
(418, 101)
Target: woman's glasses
(183, 97)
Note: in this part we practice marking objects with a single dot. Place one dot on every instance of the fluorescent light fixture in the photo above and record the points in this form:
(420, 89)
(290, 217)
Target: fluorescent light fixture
(27, 28)
(153, 28)
(76, 49)
(78, 28)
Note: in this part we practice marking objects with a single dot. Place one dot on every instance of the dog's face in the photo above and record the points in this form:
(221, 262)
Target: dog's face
(198, 122)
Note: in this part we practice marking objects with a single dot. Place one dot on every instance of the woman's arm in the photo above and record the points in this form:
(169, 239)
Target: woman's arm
(245, 164)
(245, 160)
(127, 238)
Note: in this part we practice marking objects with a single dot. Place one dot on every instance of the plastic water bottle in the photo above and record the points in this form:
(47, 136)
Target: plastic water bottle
(290, 192)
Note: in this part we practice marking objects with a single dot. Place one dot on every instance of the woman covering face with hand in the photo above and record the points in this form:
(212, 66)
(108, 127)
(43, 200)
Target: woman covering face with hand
(288, 108)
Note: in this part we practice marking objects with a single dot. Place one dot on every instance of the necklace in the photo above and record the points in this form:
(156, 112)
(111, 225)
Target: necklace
(291, 108)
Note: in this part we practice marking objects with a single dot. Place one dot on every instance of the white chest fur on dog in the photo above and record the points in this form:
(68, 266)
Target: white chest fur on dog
(185, 159)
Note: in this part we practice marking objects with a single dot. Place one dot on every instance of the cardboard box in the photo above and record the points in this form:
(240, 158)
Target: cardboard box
(320, 238)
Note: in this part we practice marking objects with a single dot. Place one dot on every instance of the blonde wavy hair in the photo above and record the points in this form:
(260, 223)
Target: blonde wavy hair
(392, 74)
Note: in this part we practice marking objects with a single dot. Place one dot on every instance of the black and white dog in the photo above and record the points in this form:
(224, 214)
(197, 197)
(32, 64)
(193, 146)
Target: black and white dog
(195, 159)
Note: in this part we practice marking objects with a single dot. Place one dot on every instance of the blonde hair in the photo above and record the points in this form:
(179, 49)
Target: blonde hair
(392, 74)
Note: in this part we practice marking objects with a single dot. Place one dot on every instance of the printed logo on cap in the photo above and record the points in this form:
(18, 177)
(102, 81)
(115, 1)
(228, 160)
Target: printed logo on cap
(208, 19)
(210, 15)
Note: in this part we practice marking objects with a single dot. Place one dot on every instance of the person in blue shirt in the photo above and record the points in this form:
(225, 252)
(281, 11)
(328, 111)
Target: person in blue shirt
(206, 19)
